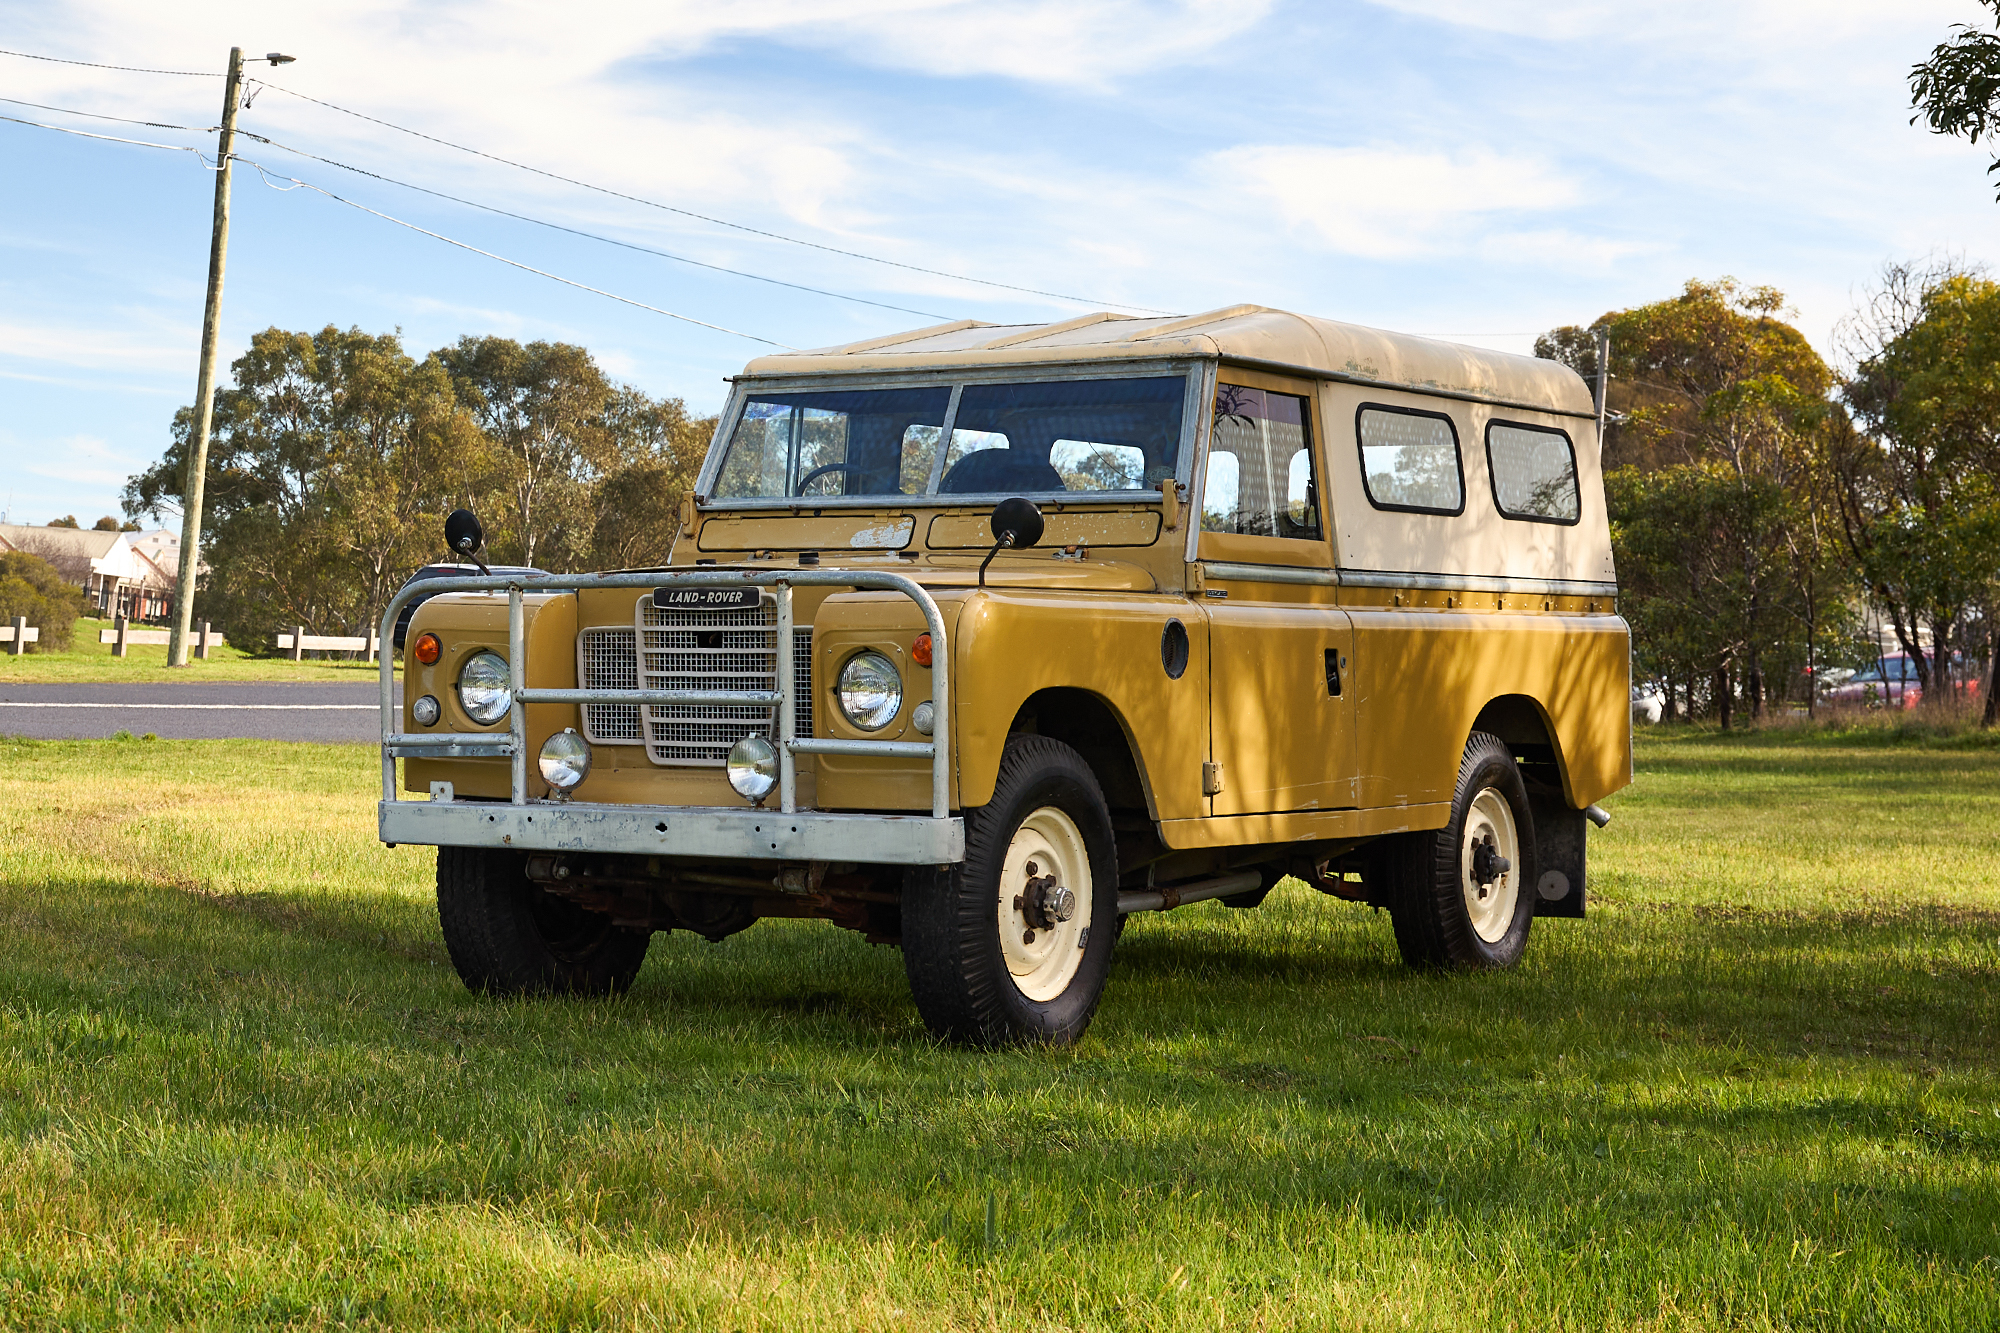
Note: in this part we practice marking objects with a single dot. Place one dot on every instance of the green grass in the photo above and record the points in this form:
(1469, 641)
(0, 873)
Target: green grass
(91, 662)
(239, 1085)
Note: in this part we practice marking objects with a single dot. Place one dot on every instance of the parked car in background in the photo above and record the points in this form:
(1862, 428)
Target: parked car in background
(447, 572)
(1892, 682)
(1649, 702)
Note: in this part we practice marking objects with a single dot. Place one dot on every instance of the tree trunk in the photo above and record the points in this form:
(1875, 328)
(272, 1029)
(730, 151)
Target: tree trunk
(1992, 713)
(1722, 692)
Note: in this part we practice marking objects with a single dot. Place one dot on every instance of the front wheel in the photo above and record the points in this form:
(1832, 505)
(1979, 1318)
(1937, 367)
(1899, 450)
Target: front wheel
(1013, 944)
(1465, 894)
(509, 935)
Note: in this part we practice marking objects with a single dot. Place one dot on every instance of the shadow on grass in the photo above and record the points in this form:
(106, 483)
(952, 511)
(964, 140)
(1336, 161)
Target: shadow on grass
(1644, 1084)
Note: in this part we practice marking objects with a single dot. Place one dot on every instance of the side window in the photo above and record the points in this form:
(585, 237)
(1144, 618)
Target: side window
(1409, 460)
(1534, 472)
(1260, 470)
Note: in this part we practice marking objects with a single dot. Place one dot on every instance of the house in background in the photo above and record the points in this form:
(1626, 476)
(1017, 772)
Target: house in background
(117, 575)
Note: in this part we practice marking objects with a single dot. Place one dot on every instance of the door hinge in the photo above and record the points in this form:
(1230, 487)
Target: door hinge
(1211, 779)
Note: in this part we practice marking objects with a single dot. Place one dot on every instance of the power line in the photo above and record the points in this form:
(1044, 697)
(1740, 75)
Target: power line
(108, 138)
(490, 208)
(296, 183)
(512, 263)
(703, 217)
(590, 236)
(124, 120)
(128, 69)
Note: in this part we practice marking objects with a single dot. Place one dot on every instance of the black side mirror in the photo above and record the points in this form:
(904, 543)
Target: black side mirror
(465, 537)
(1016, 523)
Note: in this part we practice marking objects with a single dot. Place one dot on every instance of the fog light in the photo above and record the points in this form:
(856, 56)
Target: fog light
(425, 711)
(923, 717)
(565, 760)
(753, 768)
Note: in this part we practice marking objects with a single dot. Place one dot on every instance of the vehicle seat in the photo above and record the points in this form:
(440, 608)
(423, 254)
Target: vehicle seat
(994, 471)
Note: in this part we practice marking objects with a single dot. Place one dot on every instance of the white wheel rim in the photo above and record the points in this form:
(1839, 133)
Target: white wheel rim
(1490, 822)
(1041, 960)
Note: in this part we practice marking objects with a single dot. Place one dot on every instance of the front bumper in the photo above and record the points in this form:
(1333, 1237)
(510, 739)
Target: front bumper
(663, 830)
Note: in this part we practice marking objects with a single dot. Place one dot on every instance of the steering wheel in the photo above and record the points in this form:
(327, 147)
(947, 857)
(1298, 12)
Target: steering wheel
(818, 472)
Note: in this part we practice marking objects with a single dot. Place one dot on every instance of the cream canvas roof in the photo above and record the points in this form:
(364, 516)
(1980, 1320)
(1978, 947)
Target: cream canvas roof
(1240, 332)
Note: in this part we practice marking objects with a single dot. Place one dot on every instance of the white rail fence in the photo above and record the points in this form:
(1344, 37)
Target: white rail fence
(19, 635)
(122, 636)
(298, 643)
(295, 642)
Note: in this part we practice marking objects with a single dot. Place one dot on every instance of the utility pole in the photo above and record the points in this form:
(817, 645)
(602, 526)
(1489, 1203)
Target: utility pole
(204, 388)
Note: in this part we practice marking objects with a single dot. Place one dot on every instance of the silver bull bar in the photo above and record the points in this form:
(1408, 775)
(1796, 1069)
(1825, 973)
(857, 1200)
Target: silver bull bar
(751, 833)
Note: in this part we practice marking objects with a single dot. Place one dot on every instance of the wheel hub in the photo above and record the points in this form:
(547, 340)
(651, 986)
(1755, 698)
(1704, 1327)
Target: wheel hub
(1044, 903)
(1488, 865)
(1489, 856)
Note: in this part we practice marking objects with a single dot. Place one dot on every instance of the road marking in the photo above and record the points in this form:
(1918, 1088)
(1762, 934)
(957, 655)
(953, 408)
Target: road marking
(234, 708)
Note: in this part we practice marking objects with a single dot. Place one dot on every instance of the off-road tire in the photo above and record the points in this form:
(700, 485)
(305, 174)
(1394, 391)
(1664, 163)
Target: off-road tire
(509, 936)
(952, 950)
(1434, 926)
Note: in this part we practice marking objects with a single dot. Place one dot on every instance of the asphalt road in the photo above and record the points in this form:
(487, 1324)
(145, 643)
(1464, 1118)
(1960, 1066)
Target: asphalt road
(221, 711)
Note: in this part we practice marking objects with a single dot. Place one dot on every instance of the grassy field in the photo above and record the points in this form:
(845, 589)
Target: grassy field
(239, 1085)
(89, 661)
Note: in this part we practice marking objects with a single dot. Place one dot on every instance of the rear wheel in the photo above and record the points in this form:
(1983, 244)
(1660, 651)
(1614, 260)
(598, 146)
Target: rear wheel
(509, 935)
(1013, 944)
(1464, 894)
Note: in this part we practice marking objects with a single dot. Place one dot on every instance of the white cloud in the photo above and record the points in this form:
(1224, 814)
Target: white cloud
(1741, 25)
(97, 348)
(1387, 203)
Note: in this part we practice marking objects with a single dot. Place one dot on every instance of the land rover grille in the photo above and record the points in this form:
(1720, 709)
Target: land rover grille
(690, 649)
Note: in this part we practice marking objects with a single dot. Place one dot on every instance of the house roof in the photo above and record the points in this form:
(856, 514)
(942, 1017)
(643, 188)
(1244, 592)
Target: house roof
(1243, 333)
(111, 554)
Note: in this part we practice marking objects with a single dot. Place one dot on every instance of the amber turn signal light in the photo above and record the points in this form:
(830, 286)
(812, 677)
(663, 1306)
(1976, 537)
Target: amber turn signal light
(920, 650)
(428, 649)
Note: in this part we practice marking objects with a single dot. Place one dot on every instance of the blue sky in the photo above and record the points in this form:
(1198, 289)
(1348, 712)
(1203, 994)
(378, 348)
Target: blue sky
(1475, 169)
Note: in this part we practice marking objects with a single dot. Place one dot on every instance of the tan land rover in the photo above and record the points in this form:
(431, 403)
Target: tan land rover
(978, 638)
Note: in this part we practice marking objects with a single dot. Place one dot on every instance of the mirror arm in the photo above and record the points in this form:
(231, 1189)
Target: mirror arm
(1006, 541)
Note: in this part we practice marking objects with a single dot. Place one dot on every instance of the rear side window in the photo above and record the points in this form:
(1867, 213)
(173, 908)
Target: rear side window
(1534, 472)
(1260, 470)
(1409, 460)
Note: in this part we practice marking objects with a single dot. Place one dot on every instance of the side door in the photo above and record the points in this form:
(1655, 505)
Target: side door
(1281, 729)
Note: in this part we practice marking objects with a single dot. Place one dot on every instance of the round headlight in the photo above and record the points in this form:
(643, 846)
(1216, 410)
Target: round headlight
(425, 711)
(565, 760)
(871, 693)
(482, 687)
(753, 767)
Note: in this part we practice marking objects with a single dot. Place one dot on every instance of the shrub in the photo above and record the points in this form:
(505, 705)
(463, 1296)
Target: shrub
(30, 586)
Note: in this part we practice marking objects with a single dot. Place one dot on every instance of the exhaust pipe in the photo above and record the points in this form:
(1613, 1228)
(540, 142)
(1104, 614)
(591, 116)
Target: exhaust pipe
(1169, 896)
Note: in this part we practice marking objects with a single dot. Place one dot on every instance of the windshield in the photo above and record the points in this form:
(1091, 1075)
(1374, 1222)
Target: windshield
(1010, 439)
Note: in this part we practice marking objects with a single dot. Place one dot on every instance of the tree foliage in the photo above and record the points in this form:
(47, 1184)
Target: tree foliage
(1916, 481)
(334, 456)
(1719, 421)
(1957, 90)
(30, 586)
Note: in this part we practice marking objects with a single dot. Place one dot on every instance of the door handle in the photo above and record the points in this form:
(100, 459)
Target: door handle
(1334, 662)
